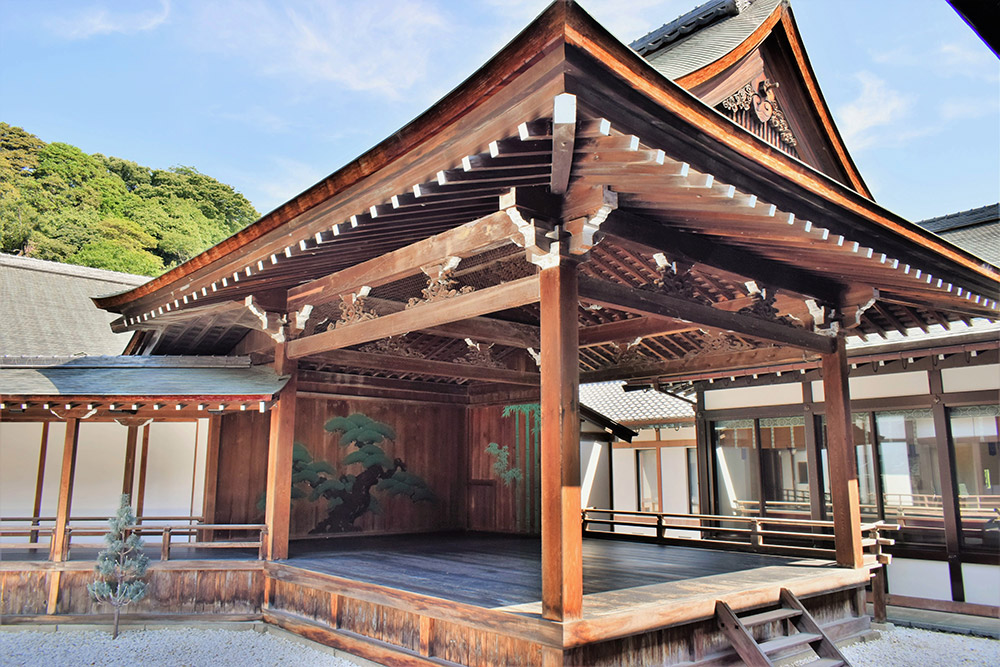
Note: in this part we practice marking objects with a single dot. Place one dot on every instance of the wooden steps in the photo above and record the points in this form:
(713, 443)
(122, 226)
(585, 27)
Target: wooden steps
(801, 630)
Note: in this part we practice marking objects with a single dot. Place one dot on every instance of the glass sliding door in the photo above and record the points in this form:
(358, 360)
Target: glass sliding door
(647, 484)
(784, 467)
(736, 467)
(911, 477)
(977, 473)
(864, 457)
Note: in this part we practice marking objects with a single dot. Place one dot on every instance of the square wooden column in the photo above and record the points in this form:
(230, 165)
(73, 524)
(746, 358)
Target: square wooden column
(840, 452)
(57, 550)
(562, 535)
(277, 513)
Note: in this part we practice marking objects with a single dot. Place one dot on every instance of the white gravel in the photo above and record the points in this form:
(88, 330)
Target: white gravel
(194, 647)
(188, 647)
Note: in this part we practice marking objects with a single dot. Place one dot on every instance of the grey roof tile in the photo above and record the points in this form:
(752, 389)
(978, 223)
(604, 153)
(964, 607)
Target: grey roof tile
(45, 308)
(706, 42)
(632, 407)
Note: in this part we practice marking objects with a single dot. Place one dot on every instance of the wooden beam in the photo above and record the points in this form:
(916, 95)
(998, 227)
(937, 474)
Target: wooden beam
(57, 550)
(841, 453)
(128, 474)
(479, 235)
(278, 502)
(642, 302)
(562, 544)
(563, 138)
(480, 329)
(502, 297)
(629, 330)
(415, 366)
(630, 229)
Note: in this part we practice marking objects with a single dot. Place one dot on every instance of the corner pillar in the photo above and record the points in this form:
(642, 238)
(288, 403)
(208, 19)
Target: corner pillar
(841, 452)
(562, 535)
(278, 507)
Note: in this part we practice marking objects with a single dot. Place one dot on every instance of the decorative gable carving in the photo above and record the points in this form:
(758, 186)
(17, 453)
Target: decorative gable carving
(756, 107)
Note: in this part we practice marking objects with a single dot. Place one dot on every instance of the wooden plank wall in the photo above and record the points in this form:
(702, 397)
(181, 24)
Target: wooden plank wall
(429, 440)
(494, 506)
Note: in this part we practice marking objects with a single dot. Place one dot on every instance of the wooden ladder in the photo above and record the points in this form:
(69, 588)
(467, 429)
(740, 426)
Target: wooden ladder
(794, 615)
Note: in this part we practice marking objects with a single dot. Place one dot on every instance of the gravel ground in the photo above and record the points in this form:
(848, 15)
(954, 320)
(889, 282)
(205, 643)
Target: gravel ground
(900, 647)
(909, 647)
(159, 648)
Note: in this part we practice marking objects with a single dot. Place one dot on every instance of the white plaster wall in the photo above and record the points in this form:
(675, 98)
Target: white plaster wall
(919, 578)
(673, 464)
(596, 487)
(971, 378)
(982, 583)
(100, 462)
(745, 397)
(19, 446)
(172, 467)
(913, 383)
(624, 470)
(685, 432)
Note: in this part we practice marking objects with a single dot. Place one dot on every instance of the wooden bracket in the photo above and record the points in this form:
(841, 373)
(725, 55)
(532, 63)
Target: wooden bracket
(270, 323)
(299, 319)
(582, 230)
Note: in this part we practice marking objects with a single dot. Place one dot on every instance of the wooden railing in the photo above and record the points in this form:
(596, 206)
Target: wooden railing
(747, 533)
(168, 528)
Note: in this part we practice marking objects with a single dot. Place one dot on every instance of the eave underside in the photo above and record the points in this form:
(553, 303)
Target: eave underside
(694, 219)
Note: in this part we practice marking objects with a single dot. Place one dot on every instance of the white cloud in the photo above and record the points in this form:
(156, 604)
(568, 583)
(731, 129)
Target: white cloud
(966, 60)
(101, 19)
(383, 46)
(874, 116)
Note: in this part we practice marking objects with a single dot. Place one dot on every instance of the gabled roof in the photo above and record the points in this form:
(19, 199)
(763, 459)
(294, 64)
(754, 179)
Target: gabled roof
(46, 308)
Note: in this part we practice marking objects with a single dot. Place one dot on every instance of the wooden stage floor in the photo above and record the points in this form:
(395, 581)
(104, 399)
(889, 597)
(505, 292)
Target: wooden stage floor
(504, 571)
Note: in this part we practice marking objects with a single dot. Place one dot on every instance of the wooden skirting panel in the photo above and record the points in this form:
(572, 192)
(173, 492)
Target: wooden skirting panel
(40, 591)
(390, 626)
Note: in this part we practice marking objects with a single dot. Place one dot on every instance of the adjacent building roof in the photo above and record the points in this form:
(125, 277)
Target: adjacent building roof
(703, 35)
(645, 407)
(976, 230)
(46, 308)
(133, 376)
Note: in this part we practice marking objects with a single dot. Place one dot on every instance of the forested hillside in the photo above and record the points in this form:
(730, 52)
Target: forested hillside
(58, 203)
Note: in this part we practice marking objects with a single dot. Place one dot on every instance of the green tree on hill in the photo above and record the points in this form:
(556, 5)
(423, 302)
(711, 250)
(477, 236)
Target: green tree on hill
(59, 203)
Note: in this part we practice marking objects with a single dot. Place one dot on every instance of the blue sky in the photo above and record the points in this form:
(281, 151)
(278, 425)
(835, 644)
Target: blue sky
(273, 96)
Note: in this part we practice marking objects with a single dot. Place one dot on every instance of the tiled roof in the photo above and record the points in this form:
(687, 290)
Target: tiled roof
(976, 230)
(952, 221)
(644, 406)
(136, 376)
(702, 36)
(45, 308)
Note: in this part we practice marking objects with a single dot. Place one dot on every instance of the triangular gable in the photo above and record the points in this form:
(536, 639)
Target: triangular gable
(746, 60)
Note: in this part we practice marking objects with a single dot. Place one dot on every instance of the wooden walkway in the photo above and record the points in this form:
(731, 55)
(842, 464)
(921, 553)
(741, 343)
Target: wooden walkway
(502, 571)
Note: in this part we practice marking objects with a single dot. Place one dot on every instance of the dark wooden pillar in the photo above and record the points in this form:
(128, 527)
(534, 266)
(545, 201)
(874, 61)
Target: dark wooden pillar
(840, 454)
(57, 550)
(562, 540)
(703, 441)
(814, 456)
(43, 450)
(277, 513)
(140, 495)
(128, 475)
(949, 486)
